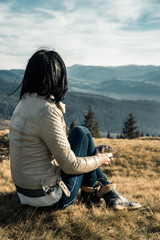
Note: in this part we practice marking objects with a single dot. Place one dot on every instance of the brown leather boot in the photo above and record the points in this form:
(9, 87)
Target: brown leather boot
(109, 193)
(94, 195)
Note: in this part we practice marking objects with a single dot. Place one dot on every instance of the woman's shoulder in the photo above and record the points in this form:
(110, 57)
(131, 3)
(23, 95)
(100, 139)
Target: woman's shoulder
(41, 106)
(50, 107)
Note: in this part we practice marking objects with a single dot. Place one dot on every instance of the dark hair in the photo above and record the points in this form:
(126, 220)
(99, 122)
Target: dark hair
(45, 75)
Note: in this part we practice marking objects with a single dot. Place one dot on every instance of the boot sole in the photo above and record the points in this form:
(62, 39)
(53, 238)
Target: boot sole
(120, 207)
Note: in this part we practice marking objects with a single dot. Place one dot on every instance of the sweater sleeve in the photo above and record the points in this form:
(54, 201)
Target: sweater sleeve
(53, 134)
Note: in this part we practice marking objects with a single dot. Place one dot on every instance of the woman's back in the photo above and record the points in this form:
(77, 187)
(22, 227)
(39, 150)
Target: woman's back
(30, 157)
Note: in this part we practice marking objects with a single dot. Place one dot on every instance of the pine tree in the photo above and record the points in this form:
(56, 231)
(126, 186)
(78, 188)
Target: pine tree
(90, 123)
(72, 126)
(129, 128)
(96, 131)
(137, 134)
(108, 135)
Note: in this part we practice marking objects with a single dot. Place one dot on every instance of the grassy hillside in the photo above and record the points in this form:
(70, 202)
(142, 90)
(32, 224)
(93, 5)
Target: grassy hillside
(136, 173)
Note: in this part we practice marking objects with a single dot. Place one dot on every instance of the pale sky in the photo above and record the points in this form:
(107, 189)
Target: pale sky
(87, 32)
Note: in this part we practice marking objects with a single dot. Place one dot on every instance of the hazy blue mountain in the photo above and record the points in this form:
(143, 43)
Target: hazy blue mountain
(125, 82)
(11, 75)
(103, 73)
(131, 86)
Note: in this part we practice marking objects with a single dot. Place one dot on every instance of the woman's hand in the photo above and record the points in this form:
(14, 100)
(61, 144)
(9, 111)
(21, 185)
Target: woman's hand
(106, 158)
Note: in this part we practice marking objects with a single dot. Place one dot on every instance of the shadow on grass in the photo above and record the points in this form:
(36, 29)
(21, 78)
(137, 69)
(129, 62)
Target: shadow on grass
(22, 222)
(11, 211)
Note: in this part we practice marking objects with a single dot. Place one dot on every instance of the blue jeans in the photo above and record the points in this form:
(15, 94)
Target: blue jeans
(82, 145)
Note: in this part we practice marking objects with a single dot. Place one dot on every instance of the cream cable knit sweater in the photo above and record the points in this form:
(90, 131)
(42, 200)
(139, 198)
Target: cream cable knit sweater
(39, 147)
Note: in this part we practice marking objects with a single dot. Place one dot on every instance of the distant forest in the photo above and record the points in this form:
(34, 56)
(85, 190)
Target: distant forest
(109, 113)
(88, 85)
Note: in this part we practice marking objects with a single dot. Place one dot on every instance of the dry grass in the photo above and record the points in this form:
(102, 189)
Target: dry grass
(136, 173)
(4, 124)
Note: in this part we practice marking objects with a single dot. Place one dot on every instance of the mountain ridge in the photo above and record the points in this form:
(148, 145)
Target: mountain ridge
(141, 82)
(127, 89)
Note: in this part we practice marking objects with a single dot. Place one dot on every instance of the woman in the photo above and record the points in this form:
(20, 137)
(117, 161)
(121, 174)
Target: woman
(47, 168)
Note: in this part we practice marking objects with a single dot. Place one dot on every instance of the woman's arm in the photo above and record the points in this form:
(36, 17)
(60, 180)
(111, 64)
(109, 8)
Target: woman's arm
(53, 134)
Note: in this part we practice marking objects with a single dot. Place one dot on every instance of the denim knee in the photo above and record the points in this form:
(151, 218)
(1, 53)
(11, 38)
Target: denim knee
(80, 130)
